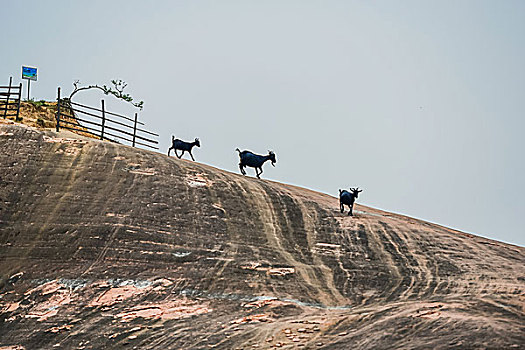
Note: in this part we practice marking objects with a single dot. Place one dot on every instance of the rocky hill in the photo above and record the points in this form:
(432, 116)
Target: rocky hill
(107, 246)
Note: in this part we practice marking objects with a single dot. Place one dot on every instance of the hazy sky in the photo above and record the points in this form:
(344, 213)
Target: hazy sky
(420, 103)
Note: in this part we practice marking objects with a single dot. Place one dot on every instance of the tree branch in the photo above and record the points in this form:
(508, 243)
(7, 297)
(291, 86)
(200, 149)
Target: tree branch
(117, 90)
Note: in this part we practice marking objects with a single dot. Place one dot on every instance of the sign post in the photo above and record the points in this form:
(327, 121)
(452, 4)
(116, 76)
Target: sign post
(29, 73)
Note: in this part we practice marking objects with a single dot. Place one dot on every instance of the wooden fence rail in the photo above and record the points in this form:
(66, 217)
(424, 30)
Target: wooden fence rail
(94, 121)
(10, 99)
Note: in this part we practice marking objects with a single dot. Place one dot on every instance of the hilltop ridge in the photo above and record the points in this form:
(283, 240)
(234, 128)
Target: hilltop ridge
(104, 245)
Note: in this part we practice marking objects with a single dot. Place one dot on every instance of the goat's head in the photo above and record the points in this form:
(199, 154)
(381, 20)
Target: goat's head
(197, 142)
(355, 191)
(271, 155)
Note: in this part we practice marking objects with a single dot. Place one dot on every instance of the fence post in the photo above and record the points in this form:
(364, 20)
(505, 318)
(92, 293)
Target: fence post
(58, 110)
(19, 98)
(7, 98)
(135, 129)
(103, 121)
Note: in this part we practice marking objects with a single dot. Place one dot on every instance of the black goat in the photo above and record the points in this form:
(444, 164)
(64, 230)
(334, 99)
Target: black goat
(348, 198)
(183, 146)
(254, 160)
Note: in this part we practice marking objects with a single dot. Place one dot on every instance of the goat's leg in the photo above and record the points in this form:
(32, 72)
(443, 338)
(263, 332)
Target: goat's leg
(351, 207)
(191, 155)
(260, 172)
(342, 207)
(169, 149)
(242, 169)
(182, 154)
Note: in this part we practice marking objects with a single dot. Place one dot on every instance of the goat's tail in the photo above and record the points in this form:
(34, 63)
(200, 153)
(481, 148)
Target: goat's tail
(238, 150)
(172, 138)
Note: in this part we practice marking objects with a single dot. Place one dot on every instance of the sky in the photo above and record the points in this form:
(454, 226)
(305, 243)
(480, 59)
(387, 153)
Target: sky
(419, 103)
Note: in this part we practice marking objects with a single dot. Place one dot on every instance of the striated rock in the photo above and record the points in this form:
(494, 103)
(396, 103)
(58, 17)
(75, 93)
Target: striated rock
(109, 238)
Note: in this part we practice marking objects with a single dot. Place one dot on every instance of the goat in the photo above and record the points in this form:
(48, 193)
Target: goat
(348, 198)
(254, 160)
(183, 146)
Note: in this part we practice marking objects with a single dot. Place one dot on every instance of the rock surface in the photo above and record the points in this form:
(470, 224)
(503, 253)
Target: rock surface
(106, 246)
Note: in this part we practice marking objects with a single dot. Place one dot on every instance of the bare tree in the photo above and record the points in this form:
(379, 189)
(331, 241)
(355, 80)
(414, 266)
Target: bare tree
(116, 90)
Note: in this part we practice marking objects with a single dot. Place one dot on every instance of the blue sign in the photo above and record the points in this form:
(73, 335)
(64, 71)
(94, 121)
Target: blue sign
(29, 73)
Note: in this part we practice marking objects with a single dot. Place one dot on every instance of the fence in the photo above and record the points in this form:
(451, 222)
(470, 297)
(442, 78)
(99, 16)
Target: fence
(10, 108)
(96, 122)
